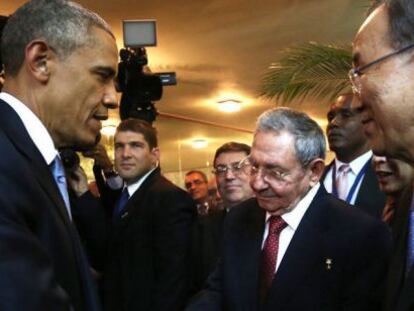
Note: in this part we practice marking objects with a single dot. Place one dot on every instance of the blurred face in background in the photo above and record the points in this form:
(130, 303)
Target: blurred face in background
(197, 186)
(393, 174)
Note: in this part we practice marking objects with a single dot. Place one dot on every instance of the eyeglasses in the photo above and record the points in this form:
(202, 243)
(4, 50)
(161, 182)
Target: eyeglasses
(235, 167)
(356, 73)
(268, 173)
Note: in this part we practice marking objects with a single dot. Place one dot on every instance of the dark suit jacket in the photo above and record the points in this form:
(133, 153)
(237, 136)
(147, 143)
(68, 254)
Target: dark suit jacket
(356, 244)
(40, 252)
(370, 198)
(148, 267)
(400, 287)
(206, 240)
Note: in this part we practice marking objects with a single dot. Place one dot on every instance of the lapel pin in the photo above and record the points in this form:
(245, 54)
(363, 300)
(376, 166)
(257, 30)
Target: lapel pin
(328, 263)
(124, 215)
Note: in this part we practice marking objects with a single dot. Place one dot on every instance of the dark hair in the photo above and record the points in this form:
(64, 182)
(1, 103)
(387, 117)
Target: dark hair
(401, 21)
(204, 176)
(232, 147)
(64, 25)
(142, 127)
(309, 138)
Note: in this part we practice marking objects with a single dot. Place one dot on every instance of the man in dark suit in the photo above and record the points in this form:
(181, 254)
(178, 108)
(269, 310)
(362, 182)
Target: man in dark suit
(148, 266)
(352, 150)
(382, 80)
(57, 91)
(295, 247)
(234, 188)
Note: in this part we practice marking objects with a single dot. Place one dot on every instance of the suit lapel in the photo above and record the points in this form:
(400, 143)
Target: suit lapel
(248, 252)
(302, 256)
(14, 129)
(134, 203)
(325, 171)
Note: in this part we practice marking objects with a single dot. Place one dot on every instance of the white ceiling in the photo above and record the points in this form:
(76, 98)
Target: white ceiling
(219, 46)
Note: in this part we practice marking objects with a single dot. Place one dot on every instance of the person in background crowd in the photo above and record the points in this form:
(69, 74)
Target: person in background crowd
(196, 183)
(350, 175)
(145, 261)
(395, 177)
(234, 188)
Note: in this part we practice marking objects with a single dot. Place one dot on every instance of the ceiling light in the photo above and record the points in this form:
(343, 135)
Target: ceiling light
(199, 143)
(229, 105)
(108, 130)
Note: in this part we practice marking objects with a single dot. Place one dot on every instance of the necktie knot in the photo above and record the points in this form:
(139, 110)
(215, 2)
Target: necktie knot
(276, 224)
(344, 169)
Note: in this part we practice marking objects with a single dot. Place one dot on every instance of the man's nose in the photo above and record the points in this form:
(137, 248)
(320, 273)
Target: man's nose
(257, 182)
(110, 99)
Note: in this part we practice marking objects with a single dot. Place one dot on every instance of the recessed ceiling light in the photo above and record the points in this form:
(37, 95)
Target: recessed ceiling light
(229, 105)
(199, 143)
(108, 130)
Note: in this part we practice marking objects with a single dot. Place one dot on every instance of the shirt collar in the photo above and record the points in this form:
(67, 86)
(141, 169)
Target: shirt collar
(37, 131)
(357, 164)
(132, 188)
(294, 217)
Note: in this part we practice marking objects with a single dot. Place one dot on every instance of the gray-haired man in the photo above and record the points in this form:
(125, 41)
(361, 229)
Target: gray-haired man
(294, 246)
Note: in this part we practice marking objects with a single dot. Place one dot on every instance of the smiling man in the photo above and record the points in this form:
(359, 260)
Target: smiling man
(234, 188)
(60, 62)
(292, 247)
(352, 150)
(382, 78)
(148, 263)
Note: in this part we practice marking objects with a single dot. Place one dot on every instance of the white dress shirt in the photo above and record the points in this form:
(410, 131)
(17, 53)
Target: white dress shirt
(132, 188)
(292, 219)
(36, 130)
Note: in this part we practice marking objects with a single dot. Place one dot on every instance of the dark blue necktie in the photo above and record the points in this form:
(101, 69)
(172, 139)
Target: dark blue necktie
(122, 201)
(59, 175)
(410, 250)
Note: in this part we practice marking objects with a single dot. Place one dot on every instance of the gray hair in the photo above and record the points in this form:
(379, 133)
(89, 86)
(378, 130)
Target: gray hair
(64, 25)
(401, 21)
(309, 138)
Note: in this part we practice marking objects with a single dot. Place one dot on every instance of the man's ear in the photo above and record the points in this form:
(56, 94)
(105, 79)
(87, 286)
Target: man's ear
(38, 55)
(155, 152)
(316, 168)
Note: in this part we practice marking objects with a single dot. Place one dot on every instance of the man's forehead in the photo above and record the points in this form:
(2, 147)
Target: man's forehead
(230, 156)
(372, 37)
(194, 176)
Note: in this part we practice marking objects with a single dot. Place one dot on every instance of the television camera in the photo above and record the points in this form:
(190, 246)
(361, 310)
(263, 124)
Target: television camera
(139, 86)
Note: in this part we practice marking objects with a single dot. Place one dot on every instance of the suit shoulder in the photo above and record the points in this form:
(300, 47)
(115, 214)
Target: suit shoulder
(348, 218)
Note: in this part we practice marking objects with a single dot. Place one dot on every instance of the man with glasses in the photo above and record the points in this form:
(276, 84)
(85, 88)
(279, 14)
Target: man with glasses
(234, 188)
(382, 78)
(358, 185)
(295, 247)
(232, 182)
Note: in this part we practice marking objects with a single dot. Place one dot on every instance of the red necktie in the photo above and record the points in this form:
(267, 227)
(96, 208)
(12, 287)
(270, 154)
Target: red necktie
(269, 255)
